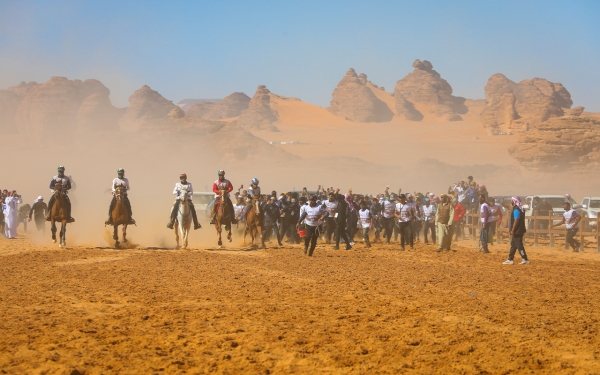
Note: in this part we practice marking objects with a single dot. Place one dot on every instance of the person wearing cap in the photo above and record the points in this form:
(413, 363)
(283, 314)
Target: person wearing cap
(122, 182)
(388, 207)
(311, 216)
(38, 211)
(271, 217)
(254, 194)
(222, 184)
(289, 216)
(65, 182)
(177, 191)
(405, 214)
(428, 214)
(443, 220)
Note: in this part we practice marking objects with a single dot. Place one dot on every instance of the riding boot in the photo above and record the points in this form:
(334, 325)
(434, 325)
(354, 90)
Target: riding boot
(173, 214)
(70, 219)
(50, 203)
(110, 210)
(128, 205)
(194, 217)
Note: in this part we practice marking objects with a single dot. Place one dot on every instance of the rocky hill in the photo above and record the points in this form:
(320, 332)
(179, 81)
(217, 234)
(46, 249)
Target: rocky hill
(259, 114)
(354, 101)
(146, 104)
(514, 107)
(425, 88)
(231, 106)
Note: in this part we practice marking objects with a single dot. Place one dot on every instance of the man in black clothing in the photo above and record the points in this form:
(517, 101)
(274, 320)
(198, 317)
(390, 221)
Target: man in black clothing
(289, 217)
(38, 211)
(341, 221)
(271, 215)
(375, 210)
(517, 231)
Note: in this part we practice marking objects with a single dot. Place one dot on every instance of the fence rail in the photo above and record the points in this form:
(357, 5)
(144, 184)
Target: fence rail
(540, 226)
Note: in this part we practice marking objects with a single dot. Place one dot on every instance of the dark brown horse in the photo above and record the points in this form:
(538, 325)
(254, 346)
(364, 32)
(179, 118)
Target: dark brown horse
(120, 216)
(224, 217)
(59, 213)
(254, 227)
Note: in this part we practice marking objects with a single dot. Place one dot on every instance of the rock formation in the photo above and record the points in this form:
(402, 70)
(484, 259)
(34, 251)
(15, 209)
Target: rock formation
(176, 113)
(146, 104)
(354, 101)
(259, 114)
(426, 88)
(521, 106)
(231, 106)
(62, 105)
(559, 142)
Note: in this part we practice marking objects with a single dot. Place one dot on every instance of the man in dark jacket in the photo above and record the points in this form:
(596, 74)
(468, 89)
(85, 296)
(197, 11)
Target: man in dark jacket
(517, 231)
(341, 221)
(289, 217)
(271, 216)
(38, 211)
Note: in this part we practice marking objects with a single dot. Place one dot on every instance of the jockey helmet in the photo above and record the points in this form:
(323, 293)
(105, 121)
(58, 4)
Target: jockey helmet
(121, 170)
(183, 175)
(255, 180)
(221, 172)
(60, 168)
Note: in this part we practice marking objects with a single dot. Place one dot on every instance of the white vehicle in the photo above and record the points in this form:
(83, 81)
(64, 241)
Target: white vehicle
(201, 200)
(556, 201)
(590, 206)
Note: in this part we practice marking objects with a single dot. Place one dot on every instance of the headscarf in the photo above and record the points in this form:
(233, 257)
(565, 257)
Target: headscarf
(40, 198)
(350, 202)
(517, 202)
(481, 186)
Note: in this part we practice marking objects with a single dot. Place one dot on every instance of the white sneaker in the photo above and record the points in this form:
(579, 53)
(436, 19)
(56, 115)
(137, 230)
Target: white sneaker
(525, 262)
(508, 261)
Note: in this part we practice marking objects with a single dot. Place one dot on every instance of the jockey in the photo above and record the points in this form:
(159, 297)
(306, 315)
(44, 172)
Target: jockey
(254, 194)
(227, 187)
(121, 182)
(177, 191)
(60, 178)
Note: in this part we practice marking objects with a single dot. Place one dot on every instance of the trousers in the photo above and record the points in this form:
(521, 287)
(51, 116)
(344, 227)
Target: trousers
(516, 243)
(571, 238)
(341, 232)
(388, 227)
(406, 235)
(310, 240)
(444, 236)
(429, 226)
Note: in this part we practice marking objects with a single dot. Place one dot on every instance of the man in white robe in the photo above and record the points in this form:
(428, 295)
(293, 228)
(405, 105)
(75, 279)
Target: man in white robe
(11, 214)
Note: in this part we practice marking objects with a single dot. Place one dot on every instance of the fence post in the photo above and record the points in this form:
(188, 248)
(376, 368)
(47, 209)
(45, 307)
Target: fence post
(550, 224)
(597, 235)
(535, 228)
(581, 237)
(474, 223)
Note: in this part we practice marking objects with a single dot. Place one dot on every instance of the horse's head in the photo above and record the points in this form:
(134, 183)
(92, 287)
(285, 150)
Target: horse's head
(184, 194)
(58, 188)
(119, 191)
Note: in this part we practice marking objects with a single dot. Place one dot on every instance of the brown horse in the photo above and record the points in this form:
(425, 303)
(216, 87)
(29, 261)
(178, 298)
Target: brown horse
(253, 226)
(224, 216)
(59, 213)
(120, 216)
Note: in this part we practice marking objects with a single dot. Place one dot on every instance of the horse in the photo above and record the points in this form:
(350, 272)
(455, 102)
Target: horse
(224, 216)
(254, 227)
(184, 218)
(120, 216)
(59, 213)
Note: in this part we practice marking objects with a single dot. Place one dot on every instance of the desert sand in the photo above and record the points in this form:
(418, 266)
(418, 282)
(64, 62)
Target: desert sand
(96, 310)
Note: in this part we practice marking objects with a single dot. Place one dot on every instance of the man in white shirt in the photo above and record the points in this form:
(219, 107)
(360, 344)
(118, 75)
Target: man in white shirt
(177, 191)
(366, 221)
(311, 215)
(388, 208)
(405, 213)
(122, 182)
(571, 219)
(331, 206)
(428, 213)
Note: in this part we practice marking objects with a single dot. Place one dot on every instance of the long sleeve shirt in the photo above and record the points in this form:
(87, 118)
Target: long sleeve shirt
(222, 185)
(63, 180)
(39, 210)
(120, 182)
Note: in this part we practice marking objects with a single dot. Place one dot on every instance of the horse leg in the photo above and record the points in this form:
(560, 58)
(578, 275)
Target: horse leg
(116, 234)
(124, 233)
(53, 229)
(176, 229)
(63, 233)
(228, 229)
(260, 233)
(219, 233)
(186, 232)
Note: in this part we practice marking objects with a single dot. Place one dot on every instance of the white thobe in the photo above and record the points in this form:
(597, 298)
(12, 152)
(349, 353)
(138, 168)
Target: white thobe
(11, 216)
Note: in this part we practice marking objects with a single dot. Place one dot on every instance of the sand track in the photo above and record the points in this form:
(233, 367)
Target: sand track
(277, 311)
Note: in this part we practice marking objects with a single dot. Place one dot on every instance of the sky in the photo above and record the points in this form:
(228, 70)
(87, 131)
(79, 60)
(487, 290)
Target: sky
(209, 49)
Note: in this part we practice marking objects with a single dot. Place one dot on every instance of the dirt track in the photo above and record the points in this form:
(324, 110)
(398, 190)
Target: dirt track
(277, 311)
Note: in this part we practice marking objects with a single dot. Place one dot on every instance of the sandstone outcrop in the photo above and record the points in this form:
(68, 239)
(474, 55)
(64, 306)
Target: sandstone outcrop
(62, 105)
(147, 104)
(231, 106)
(558, 143)
(176, 113)
(521, 106)
(354, 101)
(259, 114)
(425, 88)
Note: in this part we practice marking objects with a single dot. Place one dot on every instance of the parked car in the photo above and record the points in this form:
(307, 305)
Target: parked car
(556, 201)
(590, 206)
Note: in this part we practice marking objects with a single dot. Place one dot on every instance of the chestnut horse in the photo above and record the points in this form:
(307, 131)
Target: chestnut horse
(120, 216)
(224, 216)
(254, 227)
(59, 214)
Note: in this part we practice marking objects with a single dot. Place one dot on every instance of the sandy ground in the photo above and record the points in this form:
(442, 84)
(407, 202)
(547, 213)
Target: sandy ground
(98, 310)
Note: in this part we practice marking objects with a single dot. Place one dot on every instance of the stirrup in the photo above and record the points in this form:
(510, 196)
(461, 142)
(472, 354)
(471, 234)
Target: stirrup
(131, 221)
(170, 225)
(108, 222)
(71, 220)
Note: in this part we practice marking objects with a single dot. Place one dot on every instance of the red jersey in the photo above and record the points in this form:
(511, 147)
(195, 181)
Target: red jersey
(222, 185)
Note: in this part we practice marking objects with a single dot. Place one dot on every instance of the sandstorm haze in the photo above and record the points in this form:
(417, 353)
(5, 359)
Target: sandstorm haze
(414, 96)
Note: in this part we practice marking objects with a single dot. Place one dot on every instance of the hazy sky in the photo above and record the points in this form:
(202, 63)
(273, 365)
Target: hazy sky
(208, 49)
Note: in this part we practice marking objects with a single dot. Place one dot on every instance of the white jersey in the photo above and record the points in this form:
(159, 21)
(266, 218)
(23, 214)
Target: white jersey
(405, 211)
(428, 212)
(312, 215)
(494, 213)
(365, 218)
(571, 219)
(120, 182)
(237, 210)
(331, 207)
(388, 208)
(484, 212)
(179, 185)
(254, 191)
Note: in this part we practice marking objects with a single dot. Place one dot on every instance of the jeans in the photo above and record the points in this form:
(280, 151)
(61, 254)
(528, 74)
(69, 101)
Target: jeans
(388, 227)
(310, 239)
(330, 228)
(405, 229)
(571, 239)
(517, 243)
(341, 232)
(429, 226)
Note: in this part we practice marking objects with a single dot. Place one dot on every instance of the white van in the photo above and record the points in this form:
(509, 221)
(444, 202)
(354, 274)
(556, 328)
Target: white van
(202, 201)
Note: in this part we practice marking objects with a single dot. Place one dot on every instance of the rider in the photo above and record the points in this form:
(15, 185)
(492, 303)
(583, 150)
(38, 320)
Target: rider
(60, 178)
(227, 187)
(121, 182)
(177, 190)
(254, 193)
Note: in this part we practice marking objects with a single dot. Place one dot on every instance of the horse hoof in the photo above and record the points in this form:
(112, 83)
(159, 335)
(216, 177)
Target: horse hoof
(220, 244)
(125, 241)
(53, 241)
